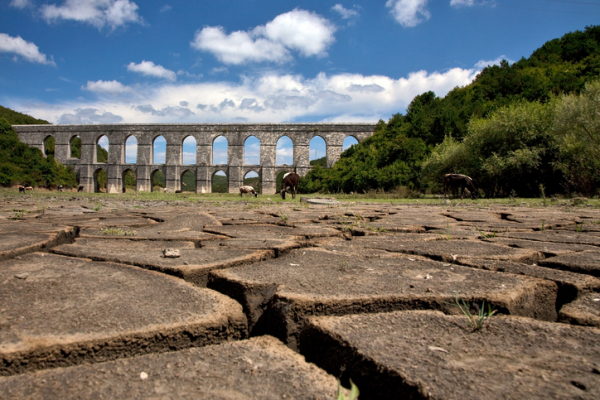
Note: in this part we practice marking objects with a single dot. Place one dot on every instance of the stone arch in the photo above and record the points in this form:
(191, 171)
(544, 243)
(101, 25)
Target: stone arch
(253, 178)
(252, 150)
(75, 147)
(317, 148)
(188, 181)
(157, 180)
(100, 180)
(217, 184)
(49, 145)
(131, 150)
(188, 150)
(101, 150)
(348, 142)
(159, 150)
(283, 155)
(128, 180)
(220, 148)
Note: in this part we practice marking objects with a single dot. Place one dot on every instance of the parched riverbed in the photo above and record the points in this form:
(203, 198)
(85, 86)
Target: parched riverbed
(135, 299)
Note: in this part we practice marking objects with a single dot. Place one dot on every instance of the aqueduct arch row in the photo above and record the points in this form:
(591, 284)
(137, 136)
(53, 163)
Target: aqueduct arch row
(174, 134)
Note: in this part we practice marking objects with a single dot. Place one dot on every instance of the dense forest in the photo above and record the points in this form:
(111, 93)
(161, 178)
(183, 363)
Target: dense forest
(529, 128)
(24, 165)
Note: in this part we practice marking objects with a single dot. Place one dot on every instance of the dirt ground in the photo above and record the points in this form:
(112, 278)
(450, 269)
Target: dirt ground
(159, 298)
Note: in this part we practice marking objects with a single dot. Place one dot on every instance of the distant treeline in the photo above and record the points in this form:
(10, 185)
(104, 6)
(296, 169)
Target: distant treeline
(24, 165)
(531, 128)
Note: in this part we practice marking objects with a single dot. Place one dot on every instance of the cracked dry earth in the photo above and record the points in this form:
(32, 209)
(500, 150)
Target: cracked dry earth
(264, 301)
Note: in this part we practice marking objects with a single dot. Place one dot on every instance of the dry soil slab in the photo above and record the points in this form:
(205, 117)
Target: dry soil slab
(549, 249)
(259, 368)
(556, 236)
(20, 237)
(585, 262)
(428, 355)
(273, 231)
(193, 264)
(570, 285)
(449, 250)
(278, 295)
(59, 311)
(583, 311)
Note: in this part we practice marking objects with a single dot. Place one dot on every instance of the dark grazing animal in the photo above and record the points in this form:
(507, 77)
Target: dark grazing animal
(290, 180)
(80, 189)
(60, 188)
(21, 189)
(178, 191)
(248, 189)
(455, 182)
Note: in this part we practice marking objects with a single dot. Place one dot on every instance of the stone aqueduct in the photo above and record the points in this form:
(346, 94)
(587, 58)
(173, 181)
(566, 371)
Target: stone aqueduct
(87, 166)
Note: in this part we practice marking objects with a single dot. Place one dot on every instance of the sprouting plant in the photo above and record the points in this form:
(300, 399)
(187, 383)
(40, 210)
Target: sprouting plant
(344, 265)
(475, 322)
(283, 216)
(543, 222)
(579, 227)
(485, 235)
(98, 207)
(117, 232)
(354, 392)
(19, 214)
(344, 223)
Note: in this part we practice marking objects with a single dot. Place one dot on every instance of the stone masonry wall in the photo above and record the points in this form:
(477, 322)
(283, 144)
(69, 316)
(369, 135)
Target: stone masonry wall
(205, 134)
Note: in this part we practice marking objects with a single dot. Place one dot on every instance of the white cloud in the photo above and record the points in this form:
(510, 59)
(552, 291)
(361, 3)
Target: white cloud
(460, 3)
(344, 12)
(409, 13)
(269, 97)
(299, 30)
(112, 87)
(98, 13)
(148, 68)
(166, 8)
(481, 64)
(20, 3)
(90, 116)
(28, 50)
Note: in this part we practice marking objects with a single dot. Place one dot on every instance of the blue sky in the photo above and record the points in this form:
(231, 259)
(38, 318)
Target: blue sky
(128, 61)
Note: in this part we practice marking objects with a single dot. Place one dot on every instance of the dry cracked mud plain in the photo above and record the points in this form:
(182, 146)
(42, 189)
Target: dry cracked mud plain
(266, 300)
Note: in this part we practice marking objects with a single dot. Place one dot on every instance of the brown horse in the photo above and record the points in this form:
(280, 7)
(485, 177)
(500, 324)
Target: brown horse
(290, 180)
(455, 182)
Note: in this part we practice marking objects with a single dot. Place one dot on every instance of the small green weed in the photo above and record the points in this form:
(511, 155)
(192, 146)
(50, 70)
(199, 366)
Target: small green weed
(485, 235)
(117, 232)
(543, 222)
(475, 322)
(98, 207)
(344, 265)
(354, 392)
(283, 216)
(579, 227)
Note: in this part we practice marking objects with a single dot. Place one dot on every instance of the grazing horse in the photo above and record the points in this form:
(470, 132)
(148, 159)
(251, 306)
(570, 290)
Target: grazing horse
(80, 188)
(458, 181)
(290, 180)
(248, 189)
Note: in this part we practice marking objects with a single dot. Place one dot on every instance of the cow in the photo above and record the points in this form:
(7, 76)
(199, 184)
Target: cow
(21, 189)
(455, 182)
(178, 191)
(60, 188)
(80, 188)
(290, 180)
(248, 189)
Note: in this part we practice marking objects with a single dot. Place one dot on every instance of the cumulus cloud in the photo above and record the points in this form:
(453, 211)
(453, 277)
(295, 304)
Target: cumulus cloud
(344, 12)
(112, 87)
(20, 3)
(409, 13)
(460, 3)
(481, 64)
(269, 97)
(148, 68)
(98, 13)
(27, 50)
(172, 112)
(90, 116)
(305, 32)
